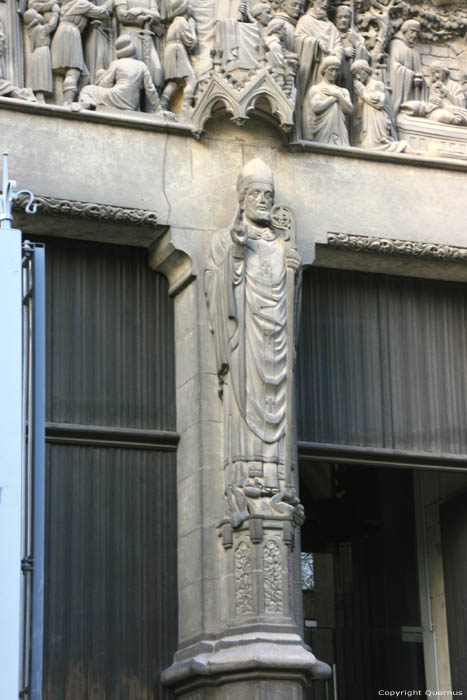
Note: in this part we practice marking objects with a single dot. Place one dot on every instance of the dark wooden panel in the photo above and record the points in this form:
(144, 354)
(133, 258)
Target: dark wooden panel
(111, 588)
(382, 362)
(110, 353)
(453, 515)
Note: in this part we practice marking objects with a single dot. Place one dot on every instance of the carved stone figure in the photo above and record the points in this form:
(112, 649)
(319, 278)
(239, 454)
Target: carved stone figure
(262, 14)
(445, 103)
(49, 9)
(245, 286)
(180, 41)
(242, 45)
(373, 126)
(121, 85)
(276, 33)
(406, 73)
(39, 63)
(315, 38)
(290, 11)
(204, 14)
(353, 43)
(67, 49)
(7, 89)
(282, 62)
(329, 105)
(98, 45)
(140, 19)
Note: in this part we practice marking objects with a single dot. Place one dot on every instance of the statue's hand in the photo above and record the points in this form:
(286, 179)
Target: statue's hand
(237, 233)
(418, 80)
(358, 87)
(299, 515)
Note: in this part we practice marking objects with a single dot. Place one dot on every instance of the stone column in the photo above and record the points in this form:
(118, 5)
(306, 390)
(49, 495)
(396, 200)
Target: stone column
(238, 512)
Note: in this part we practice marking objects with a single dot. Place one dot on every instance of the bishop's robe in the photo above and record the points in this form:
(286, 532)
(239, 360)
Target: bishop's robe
(246, 294)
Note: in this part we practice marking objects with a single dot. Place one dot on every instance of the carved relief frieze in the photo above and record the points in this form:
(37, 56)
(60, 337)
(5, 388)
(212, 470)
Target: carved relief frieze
(243, 579)
(272, 570)
(389, 246)
(90, 210)
(387, 75)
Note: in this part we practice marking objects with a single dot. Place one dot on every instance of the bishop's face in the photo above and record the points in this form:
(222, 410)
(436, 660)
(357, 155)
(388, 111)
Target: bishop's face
(258, 202)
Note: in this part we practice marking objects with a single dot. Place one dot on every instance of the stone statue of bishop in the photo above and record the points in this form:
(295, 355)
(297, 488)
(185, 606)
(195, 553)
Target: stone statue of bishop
(246, 290)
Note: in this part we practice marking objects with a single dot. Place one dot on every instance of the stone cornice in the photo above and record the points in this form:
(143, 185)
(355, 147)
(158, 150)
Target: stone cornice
(90, 210)
(397, 247)
(417, 161)
(119, 118)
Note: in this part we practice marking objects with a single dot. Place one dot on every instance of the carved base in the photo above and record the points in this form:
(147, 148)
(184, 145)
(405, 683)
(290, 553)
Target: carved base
(242, 663)
(260, 653)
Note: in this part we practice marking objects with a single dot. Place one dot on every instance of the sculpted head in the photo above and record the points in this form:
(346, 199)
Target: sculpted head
(177, 8)
(319, 8)
(330, 68)
(276, 26)
(255, 190)
(293, 8)
(262, 13)
(361, 70)
(343, 18)
(124, 46)
(439, 72)
(31, 18)
(410, 29)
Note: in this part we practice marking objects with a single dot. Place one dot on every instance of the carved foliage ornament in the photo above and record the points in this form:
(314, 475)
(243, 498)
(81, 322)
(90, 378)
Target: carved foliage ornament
(243, 579)
(89, 210)
(389, 246)
(272, 568)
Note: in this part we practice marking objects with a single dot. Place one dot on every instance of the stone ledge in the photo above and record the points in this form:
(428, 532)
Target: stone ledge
(392, 257)
(381, 156)
(91, 221)
(130, 120)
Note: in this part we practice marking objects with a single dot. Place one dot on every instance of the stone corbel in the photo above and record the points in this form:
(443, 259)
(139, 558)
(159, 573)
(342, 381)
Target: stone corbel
(172, 261)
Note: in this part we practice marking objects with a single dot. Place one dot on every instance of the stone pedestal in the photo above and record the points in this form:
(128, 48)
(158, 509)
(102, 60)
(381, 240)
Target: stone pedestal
(260, 653)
